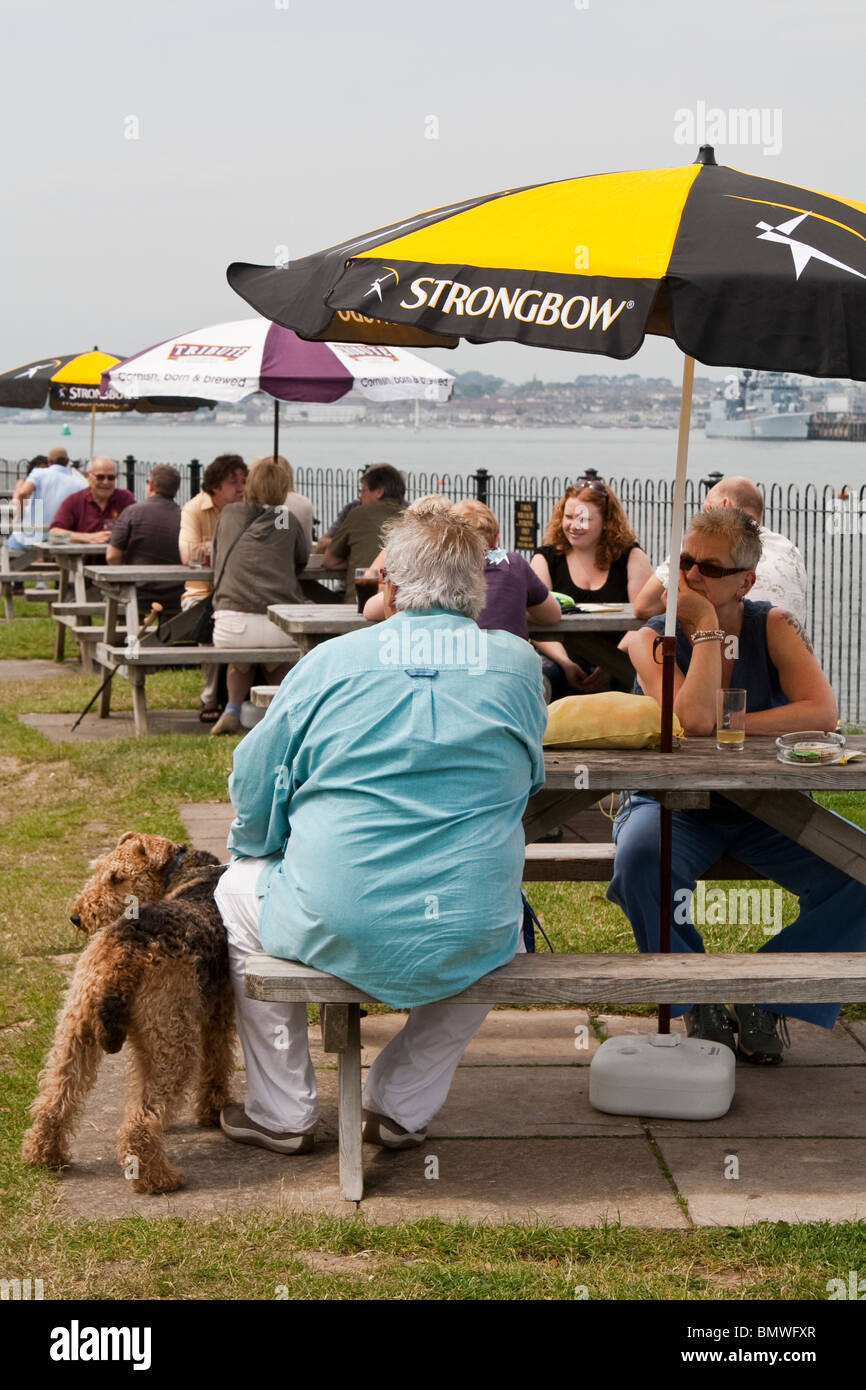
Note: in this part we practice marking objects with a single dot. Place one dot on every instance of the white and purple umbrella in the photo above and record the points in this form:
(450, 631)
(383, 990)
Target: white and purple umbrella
(229, 361)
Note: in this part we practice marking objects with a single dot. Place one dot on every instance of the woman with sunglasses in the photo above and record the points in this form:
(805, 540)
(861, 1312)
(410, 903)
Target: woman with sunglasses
(591, 554)
(724, 639)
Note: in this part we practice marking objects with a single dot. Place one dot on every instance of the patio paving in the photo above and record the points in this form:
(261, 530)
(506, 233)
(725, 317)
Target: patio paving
(517, 1139)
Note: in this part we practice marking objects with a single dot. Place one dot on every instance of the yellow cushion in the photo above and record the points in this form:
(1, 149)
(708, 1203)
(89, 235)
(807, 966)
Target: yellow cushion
(611, 719)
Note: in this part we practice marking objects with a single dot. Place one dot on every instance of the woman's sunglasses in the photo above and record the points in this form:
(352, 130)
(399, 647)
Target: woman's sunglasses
(707, 568)
(593, 484)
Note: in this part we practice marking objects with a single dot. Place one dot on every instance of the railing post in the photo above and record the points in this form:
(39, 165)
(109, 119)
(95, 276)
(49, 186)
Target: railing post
(129, 465)
(481, 479)
(194, 477)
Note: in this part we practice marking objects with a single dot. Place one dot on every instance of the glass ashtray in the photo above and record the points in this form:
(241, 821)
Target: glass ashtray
(811, 746)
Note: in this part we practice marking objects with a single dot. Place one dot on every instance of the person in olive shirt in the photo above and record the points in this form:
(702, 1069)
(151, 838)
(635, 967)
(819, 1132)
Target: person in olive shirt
(358, 540)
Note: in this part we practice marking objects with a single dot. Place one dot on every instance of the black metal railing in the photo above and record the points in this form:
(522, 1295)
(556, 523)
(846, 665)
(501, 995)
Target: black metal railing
(827, 523)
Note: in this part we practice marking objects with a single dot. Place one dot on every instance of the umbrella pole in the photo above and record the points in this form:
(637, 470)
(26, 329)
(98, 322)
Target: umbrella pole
(669, 646)
(276, 429)
(92, 427)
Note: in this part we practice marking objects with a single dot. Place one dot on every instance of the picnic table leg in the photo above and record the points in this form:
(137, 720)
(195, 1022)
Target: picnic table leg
(8, 600)
(349, 1091)
(139, 702)
(60, 626)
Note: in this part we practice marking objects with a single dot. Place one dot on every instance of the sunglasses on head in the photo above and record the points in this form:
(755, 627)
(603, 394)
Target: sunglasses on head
(707, 568)
(594, 484)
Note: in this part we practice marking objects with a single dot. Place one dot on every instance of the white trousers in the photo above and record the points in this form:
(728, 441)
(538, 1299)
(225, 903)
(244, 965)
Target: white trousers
(408, 1081)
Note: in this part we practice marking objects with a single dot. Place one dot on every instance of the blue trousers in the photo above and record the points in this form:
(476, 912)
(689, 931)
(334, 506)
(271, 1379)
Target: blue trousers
(832, 905)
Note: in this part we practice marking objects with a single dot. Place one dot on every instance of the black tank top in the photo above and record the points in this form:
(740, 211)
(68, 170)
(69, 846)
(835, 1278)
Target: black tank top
(613, 590)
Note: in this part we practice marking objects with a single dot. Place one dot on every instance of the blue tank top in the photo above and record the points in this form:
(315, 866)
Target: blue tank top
(753, 670)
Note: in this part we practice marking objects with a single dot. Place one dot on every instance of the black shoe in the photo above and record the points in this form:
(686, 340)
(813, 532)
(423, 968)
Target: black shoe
(762, 1035)
(713, 1023)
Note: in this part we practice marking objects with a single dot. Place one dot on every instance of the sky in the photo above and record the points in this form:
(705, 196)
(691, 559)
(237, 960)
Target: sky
(150, 144)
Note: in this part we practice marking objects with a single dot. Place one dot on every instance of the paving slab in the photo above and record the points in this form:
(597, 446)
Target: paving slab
(507, 1038)
(58, 727)
(858, 1031)
(779, 1101)
(207, 824)
(509, 1102)
(220, 1175)
(33, 669)
(779, 1179)
(567, 1182)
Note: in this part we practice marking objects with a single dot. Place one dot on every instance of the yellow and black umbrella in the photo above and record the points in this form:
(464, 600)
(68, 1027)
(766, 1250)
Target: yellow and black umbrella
(739, 270)
(71, 382)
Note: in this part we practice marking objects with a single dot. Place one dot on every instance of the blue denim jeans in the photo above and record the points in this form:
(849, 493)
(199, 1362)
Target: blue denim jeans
(832, 905)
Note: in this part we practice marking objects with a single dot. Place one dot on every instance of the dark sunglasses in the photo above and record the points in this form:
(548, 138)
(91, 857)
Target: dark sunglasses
(707, 568)
(594, 484)
(105, 477)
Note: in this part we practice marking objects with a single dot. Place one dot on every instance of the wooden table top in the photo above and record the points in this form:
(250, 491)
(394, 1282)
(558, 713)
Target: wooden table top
(699, 765)
(334, 619)
(58, 550)
(113, 575)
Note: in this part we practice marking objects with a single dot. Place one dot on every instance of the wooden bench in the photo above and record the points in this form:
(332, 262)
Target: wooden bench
(9, 578)
(134, 662)
(593, 863)
(545, 978)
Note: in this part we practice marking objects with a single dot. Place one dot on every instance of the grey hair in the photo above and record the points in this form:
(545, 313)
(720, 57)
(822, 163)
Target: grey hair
(736, 528)
(436, 561)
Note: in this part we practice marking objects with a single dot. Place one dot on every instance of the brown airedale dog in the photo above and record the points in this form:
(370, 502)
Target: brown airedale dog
(154, 974)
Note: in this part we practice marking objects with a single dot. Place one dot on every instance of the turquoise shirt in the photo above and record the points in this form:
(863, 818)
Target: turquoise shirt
(387, 783)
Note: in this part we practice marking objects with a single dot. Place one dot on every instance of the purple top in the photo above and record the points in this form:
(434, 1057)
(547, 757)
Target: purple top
(512, 587)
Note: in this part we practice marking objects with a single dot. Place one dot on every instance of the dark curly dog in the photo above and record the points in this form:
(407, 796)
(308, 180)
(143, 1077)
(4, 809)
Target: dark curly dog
(154, 974)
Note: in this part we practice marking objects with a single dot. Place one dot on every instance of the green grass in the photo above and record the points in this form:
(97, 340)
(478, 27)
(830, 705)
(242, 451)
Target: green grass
(61, 804)
(267, 1257)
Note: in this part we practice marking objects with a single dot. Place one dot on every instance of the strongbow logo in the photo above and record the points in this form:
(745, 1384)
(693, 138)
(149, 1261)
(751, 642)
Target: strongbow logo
(529, 306)
(802, 252)
(376, 286)
(231, 352)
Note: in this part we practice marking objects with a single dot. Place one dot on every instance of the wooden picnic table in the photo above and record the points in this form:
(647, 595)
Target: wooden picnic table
(312, 623)
(776, 793)
(71, 557)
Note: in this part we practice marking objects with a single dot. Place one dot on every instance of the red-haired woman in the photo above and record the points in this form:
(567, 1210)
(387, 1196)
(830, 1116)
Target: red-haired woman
(590, 553)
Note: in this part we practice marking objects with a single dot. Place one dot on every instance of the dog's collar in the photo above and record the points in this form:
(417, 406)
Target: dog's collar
(174, 866)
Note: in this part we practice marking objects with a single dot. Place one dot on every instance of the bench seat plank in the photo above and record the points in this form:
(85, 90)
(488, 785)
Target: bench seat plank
(587, 862)
(159, 655)
(751, 977)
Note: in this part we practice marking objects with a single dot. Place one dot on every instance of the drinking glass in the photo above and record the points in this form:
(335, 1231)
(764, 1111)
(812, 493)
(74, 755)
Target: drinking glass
(731, 720)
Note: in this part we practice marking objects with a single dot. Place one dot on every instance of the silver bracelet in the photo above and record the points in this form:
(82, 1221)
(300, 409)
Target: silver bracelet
(708, 634)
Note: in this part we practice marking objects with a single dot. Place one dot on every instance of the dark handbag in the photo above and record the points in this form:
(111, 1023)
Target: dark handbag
(195, 624)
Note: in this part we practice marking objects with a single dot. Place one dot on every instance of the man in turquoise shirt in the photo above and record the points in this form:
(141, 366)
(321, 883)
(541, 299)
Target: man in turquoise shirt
(379, 835)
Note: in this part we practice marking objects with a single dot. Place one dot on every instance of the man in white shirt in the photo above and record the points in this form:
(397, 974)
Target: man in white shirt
(40, 494)
(781, 573)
